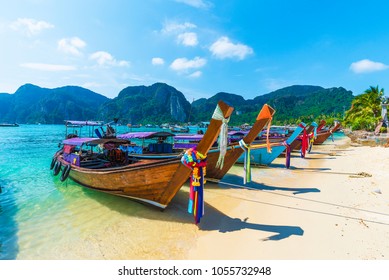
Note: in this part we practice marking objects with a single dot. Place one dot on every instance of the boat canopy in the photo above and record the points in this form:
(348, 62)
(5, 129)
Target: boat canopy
(189, 137)
(85, 123)
(77, 141)
(237, 133)
(99, 141)
(145, 135)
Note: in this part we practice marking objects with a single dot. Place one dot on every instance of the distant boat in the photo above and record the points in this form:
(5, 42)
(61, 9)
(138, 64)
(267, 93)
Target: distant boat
(133, 125)
(9, 125)
(151, 125)
(181, 129)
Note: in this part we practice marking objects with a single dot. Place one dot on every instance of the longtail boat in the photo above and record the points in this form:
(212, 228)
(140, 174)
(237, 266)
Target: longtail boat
(154, 182)
(261, 155)
(305, 141)
(219, 162)
(217, 167)
(325, 134)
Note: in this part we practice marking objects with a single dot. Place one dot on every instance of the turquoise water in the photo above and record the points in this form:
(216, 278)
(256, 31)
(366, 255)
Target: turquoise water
(39, 214)
(27, 188)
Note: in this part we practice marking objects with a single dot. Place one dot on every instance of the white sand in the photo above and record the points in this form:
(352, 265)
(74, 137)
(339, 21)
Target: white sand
(319, 209)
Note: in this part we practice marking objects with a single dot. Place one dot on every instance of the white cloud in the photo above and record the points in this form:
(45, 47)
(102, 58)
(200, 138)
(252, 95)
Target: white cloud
(175, 28)
(157, 61)
(106, 59)
(187, 39)
(196, 74)
(183, 64)
(366, 65)
(48, 67)
(224, 48)
(196, 3)
(30, 26)
(71, 45)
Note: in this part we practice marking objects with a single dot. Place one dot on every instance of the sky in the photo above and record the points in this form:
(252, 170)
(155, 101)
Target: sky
(200, 47)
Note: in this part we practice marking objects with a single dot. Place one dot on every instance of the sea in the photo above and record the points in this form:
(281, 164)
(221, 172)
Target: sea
(42, 218)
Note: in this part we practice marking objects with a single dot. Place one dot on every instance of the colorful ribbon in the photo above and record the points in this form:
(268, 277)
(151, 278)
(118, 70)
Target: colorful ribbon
(304, 143)
(247, 163)
(223, 136)
(197, 162)
(287, 154)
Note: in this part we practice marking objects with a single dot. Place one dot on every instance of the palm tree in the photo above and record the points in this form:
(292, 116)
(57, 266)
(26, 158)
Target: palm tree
(365, 111)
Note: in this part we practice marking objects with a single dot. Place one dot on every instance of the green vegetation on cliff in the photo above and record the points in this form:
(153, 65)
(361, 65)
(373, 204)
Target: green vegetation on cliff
(158, 103)
(161, 103)
(292, 104)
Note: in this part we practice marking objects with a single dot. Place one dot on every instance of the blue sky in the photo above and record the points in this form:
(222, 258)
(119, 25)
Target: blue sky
(200, 47)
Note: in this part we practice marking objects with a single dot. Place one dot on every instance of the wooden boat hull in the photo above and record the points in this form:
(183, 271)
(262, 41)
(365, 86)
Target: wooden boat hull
(296, 144)
(147, 181)
(323, 136)
(215, 173)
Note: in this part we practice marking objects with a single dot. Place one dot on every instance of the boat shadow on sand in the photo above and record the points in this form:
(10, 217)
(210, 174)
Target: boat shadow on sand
(215, 220)
(176, 212)
(282, 166)
(235, 181)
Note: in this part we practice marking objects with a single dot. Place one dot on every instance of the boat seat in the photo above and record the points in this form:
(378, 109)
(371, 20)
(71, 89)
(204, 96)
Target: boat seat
(89, 163)
(95, 166)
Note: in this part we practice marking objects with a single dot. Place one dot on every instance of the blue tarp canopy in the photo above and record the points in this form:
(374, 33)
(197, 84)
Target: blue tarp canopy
(145, 135)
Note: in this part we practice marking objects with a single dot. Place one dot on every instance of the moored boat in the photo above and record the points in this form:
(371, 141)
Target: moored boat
(221, 159)
(9, 125)
(151, 181)
(304, 141)
(323, 135)
(233, 150)
(259, 154)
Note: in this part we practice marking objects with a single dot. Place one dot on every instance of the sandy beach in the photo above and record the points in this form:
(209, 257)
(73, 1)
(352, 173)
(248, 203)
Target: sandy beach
(332, 205)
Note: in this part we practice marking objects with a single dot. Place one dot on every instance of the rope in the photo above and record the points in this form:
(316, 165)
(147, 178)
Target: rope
(223, 140)
(267, 135)
(247, 164)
